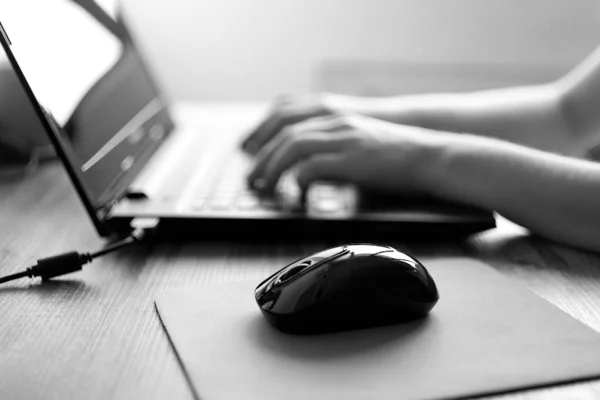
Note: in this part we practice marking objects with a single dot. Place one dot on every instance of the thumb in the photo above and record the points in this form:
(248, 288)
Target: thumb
(322, 167)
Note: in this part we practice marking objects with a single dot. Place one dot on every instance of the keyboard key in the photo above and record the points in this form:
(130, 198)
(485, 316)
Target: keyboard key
(198, 204)
(248, 203)
(221, 203)
(268, 203)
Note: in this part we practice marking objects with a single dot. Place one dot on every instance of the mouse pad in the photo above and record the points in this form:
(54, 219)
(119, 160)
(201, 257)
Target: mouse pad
(487, 334)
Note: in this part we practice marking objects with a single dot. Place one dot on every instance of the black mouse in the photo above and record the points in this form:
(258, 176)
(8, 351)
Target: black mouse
(348, 287)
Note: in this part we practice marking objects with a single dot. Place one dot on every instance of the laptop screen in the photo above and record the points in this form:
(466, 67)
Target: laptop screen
(79, 61)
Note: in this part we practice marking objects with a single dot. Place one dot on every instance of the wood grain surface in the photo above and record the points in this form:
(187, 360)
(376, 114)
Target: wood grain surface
(96, 335)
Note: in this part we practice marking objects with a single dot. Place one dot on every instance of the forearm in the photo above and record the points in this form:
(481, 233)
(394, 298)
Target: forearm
(554, 196)
(531, 116)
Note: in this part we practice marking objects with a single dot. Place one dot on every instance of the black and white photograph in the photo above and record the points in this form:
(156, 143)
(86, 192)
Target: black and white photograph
(300, 200)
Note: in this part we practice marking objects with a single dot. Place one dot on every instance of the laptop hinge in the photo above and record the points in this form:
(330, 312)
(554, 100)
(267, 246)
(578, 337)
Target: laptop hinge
(103, 212)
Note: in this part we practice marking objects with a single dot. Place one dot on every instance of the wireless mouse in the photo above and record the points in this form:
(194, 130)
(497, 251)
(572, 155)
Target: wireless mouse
(348, 287)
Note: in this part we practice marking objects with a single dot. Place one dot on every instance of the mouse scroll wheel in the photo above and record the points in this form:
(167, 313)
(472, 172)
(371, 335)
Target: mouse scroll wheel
(293, 271)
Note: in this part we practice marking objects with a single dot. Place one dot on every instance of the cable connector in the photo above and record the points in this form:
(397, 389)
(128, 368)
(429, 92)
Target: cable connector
(62, 264)
(66, 263)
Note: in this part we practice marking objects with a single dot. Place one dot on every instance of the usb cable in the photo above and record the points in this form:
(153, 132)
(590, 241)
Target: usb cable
(66, 263)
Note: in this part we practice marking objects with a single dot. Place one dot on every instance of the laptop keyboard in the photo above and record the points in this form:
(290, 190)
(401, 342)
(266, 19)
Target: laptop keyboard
(225, 188)
(227, 192)
(222, 200)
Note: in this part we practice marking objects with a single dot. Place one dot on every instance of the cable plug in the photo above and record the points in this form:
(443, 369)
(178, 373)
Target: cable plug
(62, 264)
(66, 263)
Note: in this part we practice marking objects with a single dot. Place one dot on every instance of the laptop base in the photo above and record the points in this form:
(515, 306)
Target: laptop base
(283, 230)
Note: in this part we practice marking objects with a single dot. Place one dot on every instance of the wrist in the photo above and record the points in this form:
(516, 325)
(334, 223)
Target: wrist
(345, 104)
(434, 157)
(454, 168)
(431, 111)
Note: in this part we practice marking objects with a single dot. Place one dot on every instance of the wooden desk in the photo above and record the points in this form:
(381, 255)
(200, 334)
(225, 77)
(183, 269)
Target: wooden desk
(96, 335)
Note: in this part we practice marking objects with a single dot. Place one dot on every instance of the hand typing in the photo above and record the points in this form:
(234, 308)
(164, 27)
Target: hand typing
(292, 109)
(355, 149)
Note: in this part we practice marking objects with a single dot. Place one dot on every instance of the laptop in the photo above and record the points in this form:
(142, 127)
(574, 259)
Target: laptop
(129, 159)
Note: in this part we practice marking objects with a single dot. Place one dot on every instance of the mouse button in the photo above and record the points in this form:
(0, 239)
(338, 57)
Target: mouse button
(263, 288)
(368, 249)
(327, 254)
(327, 258)
(396, 255)
(402, 259)
(299, 295)
(266, 300)
(293, 270)
(407, 263)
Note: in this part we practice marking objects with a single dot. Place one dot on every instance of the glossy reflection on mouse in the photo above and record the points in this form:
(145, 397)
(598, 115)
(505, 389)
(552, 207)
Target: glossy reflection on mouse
(348, 287)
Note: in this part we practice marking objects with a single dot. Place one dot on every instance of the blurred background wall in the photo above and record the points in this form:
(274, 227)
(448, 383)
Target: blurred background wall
(255, 49)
